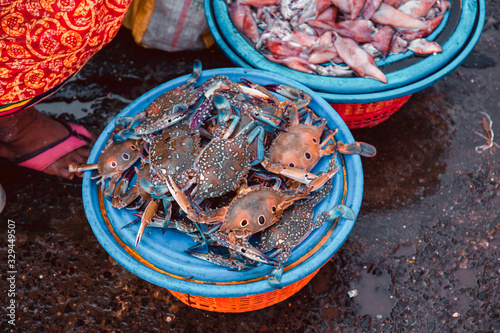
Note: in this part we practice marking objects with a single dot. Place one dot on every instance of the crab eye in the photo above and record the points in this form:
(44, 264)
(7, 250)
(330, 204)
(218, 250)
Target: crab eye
(262, 219)
(113, 164)
(126, 156)
(243, 223)
(307, 155)
(314, 140)
(273, 208)
(291, 164)
(133, 147)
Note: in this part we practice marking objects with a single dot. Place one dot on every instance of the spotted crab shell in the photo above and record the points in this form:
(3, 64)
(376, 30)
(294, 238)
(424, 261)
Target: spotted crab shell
(221, 166)
(164, 105)
(295, 224)
(174, 151)
(298, 147)
(253, 211)
(117, 158)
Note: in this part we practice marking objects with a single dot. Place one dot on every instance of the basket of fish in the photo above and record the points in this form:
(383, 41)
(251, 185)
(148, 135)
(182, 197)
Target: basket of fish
(366, 57)
(228, 187)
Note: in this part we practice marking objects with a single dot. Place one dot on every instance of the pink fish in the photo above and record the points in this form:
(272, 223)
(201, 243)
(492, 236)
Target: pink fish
(313, 9)
(281, 48)
(243, 20)
(326, 55)
(399, 45)
(333, 70)
(329, 14)
(352, 7)
(423, 46)
(296, 63)
(370, 7)
(358, 59)
(382, 40)
(393, 3)
(323, 50)
(302, 38)
(430, 25)
(417, 8)
(260, 3)
(359, 30)
(388, 15)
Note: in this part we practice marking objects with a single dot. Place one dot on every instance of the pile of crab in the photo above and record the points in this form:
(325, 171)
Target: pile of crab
(230, 165)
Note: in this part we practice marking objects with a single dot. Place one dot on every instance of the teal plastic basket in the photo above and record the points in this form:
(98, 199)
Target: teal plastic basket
(160, 259)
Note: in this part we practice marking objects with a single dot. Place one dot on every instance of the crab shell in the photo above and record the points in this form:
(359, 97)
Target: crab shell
(163, 106)
(174, 151)
(294, 226)
(254, 211)
(221, 166)
(298, 147)
(117, 158)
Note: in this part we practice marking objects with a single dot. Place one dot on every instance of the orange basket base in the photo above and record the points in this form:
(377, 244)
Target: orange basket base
(360, 115)
(243, 303)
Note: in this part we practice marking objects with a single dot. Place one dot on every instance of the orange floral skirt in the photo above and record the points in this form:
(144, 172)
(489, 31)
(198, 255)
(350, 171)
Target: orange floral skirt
(44, 42)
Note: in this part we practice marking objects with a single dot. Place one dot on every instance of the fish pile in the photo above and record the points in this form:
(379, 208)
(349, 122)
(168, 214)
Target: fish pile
(317, 36)
(230, 165)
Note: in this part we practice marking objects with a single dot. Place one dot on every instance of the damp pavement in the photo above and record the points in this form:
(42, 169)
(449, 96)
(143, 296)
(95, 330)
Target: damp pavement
(424, 254)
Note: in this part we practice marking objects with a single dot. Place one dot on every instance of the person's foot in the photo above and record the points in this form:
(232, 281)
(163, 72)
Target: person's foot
(29, 131)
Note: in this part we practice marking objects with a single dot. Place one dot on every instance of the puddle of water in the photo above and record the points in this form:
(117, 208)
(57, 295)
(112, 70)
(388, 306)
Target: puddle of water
(373, 294)
(78, 109)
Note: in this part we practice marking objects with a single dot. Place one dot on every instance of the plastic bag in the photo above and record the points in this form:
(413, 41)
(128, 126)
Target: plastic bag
(169, 25)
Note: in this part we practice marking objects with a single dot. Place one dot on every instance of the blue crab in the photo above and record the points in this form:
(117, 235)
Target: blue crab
(295, 152)
(167, 109)
(115, 159)
(295, 225)
(123, 196)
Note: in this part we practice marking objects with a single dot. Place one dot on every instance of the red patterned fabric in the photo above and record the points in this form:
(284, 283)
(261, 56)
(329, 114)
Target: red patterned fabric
(43, 42)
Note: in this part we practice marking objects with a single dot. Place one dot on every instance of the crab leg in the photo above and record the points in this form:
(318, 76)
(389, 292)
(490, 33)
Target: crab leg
(221, 260)
(361, 148)
(147, 218)
(74, 167)
(336, 211)
(242, 247)
(300, 98)
(122, 196)
(162, 123)
(180, 197)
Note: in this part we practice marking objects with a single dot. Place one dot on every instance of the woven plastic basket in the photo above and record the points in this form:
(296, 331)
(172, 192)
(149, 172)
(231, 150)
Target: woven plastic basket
(161, 258)
(243, 303)
(360, 115)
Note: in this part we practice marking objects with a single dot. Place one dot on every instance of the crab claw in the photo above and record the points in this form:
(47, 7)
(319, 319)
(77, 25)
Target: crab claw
(124, 135)
(361, 148)
(300, 98)
(275, 277)
(341, 211)
(156, 191)
(75, 167)
(196, 72)
(146, 219)
(224, 108)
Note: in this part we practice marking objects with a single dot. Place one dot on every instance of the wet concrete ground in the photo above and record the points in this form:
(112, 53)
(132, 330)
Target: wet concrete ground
(424, 255)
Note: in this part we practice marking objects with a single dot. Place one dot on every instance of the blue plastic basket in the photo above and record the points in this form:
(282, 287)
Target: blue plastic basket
(239, 46)
(370, 108)
(160, 259)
